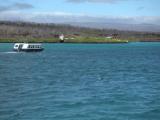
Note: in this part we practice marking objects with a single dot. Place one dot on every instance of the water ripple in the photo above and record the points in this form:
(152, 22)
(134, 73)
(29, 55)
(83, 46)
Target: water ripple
(82, 82)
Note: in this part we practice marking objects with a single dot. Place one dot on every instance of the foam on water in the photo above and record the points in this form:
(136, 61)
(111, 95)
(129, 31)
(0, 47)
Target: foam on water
(11, 52)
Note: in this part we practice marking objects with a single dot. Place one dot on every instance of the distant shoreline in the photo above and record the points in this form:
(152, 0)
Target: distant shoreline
(13, 32)
(84, 42)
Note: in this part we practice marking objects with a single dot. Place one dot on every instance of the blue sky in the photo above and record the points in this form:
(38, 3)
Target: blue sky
(138, 11)
(119, 7)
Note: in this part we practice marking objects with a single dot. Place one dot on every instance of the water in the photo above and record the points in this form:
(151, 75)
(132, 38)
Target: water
(81, 82)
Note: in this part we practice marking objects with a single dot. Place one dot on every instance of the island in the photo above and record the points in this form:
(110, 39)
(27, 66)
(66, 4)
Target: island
(12, 32)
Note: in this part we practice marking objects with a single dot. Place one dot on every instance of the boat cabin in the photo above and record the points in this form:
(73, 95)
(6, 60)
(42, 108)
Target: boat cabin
(27, 47)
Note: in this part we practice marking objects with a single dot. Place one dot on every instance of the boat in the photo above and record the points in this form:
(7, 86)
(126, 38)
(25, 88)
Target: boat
(28, 47)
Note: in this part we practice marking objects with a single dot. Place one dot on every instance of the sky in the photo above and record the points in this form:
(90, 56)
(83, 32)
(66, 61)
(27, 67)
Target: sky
(61, 11)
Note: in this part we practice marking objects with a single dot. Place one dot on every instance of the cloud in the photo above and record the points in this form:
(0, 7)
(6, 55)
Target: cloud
(94, 1)
(63, 17)
(23, 6)
(15, 6)
(140, 8)
(140, 23)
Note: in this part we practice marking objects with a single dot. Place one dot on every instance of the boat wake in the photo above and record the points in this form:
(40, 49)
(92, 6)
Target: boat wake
(8, 52)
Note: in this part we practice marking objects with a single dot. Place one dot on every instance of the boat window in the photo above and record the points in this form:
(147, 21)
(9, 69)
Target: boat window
(16, 45)
(34, 46)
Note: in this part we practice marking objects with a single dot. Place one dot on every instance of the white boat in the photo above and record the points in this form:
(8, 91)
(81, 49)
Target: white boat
(28, 47)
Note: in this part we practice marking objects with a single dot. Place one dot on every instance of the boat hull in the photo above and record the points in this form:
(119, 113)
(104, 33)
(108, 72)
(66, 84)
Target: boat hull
(28, 50)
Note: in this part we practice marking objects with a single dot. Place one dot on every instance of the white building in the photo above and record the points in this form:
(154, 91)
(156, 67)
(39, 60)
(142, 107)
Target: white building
(61, 37)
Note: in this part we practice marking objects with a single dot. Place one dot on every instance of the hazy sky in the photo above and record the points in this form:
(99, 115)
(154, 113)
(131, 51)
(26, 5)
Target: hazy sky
(130, 11)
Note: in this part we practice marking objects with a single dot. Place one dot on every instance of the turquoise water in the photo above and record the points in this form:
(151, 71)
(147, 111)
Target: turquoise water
(81, 82)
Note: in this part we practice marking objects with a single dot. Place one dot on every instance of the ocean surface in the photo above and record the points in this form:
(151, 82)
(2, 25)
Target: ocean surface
(81, 82)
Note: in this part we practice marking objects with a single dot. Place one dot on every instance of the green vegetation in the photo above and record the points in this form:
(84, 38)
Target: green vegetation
(75, 40)
(31, 40)
(94, 40)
